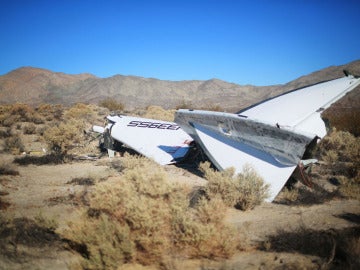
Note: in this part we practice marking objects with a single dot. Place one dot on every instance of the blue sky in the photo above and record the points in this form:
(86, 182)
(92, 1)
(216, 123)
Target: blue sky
(245, 42)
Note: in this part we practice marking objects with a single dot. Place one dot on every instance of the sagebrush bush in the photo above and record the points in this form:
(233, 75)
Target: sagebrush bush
(112, 105)
(30, 129)
(80, 111)
(243, 191)
(142, 217)
(62, 137)
(14, 145)
(23, 111)
(212, 107)
(350, 188)
(5, 133)
(344, 144)
(51, 111)
(184, 105)
(341, 150)
(18, 112)
(157, 112)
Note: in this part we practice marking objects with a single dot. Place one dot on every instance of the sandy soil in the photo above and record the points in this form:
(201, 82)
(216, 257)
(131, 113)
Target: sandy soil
(45, 191)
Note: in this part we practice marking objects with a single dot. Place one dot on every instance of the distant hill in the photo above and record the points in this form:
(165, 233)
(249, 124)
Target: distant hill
(35, 86)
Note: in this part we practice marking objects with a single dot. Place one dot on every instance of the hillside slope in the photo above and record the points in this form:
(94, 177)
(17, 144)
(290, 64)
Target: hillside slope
(35, 86)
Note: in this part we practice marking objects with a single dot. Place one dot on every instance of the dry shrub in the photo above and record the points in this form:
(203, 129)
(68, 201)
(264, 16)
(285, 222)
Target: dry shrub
(107, 242)
(112, 105)
(23, 111)
(50, 111)
(157, 112)
(62, 137)
(200, 232)
(14, 145)
(207, 107)
(30, 129)
(342, 151)
(184, 105)
(345, 145)
(80, 111)
(7, 120)
(350, 187)
(5, 133)
(144, 218)
(243, 191)
(11, 114)
(212, 107)
(290, 195)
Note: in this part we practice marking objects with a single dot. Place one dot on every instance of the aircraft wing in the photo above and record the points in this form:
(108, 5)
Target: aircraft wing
(165, 142)
(300, 110)
(271, 136)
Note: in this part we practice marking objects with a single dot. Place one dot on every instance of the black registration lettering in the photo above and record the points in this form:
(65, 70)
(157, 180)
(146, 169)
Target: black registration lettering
(152, 125)
(133, 123)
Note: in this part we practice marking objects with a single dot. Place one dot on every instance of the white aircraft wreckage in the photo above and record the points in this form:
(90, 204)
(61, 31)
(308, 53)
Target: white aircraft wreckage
(164, 142)
(272, 136)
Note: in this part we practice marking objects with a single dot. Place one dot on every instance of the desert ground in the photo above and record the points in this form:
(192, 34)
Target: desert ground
(315, 227)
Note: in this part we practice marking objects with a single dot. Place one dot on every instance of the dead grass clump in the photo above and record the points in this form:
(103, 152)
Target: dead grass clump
(143, 218)
(243, 191)
(112, 105)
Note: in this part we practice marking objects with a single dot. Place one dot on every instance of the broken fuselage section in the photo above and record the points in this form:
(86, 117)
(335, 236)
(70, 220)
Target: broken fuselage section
(164, 142)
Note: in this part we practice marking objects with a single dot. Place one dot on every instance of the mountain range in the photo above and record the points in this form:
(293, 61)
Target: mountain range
(36, 85)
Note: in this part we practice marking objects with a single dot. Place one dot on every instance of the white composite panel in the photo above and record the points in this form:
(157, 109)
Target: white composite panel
(300, 110)
(162, 141)
(228, 153)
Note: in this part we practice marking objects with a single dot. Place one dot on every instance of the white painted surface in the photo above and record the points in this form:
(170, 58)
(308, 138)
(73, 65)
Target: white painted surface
(159, 140)
(298, 112)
